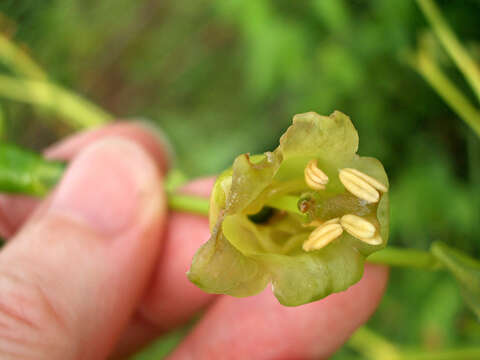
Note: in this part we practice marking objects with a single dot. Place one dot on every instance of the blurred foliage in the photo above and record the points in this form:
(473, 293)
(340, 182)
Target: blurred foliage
(223, 77)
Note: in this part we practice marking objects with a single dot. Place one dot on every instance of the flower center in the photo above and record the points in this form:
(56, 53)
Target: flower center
(354, 214)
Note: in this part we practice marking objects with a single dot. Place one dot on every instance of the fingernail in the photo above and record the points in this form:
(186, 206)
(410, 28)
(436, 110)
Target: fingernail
(107, 186)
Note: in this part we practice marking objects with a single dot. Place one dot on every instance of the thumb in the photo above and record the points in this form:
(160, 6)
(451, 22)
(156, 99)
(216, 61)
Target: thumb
(72, 277)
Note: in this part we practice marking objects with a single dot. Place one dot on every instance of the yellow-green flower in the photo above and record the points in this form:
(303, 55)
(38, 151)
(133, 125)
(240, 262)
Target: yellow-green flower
(311, 249)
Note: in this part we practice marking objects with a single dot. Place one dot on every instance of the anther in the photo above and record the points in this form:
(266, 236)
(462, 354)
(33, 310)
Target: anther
(361, 185)
(314, 177)
(376, 240)
(323, 235)
(358, 226)
(374, 182)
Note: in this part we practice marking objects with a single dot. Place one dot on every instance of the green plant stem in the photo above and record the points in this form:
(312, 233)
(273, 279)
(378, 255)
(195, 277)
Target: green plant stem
(18, 60)
(188, 203)
(373, 346)
(76, 111)
(452, 45)
(33, 88)
(2, 123)
(426, 66)
(470, 353)
(394, 256)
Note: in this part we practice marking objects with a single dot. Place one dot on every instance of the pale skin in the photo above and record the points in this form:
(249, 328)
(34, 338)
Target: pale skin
(97, 270)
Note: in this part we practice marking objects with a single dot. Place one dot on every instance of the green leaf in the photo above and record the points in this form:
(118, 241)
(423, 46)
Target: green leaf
(25, 172)
(466, 271)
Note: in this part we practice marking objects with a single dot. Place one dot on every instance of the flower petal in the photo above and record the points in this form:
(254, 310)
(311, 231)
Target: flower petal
(304, 278)
(219, 268)
(251, 175)
(299, 277)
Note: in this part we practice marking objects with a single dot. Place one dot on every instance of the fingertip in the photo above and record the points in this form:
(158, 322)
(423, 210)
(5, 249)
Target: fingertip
(172, 298)
(155, 145)
(199, 187)
(376, 277)
(259, 327)
(14, 210)
(91, 249)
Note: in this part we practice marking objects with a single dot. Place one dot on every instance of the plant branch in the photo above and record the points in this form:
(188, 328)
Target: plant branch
(452, 45)
(188, 203)
(77, 112)
(426, 66)
(373, 346)
(18, 60)
(33, 88)
(394, 256)
(2, 123)
(468, 353)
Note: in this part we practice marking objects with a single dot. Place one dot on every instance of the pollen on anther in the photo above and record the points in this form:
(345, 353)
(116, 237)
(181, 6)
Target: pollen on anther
(375, 240)
(358, 226)
(358, 186)
(370, 180)
(315, 178)
(323, 235)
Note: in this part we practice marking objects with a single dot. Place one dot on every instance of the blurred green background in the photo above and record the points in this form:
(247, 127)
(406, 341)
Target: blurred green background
(223, 77)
